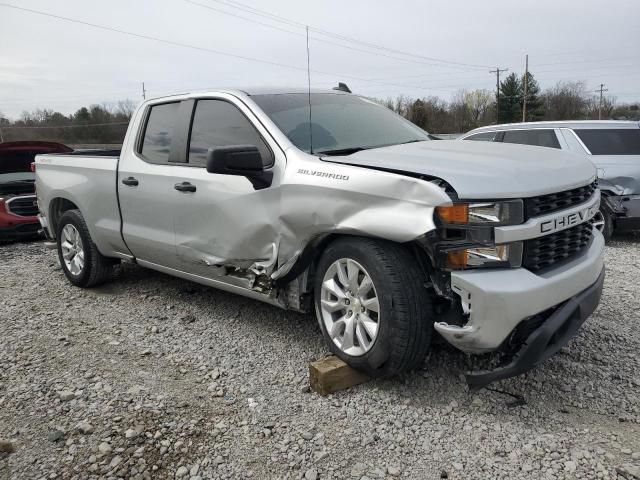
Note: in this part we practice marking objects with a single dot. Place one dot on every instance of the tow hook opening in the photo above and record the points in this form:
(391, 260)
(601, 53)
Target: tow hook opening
(465, 299)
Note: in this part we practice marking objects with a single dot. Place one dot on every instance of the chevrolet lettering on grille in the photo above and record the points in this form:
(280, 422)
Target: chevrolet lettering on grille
(566, 221)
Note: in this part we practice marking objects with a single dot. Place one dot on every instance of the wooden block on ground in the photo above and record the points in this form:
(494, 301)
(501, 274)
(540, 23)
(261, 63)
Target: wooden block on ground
(331, 374)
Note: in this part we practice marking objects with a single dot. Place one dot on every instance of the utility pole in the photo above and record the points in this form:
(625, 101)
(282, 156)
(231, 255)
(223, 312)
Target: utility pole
(601, 90)
(144, 92)
(497, 72)
(526, 81)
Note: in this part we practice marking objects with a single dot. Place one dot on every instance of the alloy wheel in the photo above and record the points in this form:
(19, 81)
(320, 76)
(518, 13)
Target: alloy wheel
(72, 249)
(598, 221)
(349, 307)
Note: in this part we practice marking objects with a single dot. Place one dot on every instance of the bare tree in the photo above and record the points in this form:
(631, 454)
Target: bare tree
(459, 112)
(593, 106)
(125, 108)
(478, 104)
(566, 101)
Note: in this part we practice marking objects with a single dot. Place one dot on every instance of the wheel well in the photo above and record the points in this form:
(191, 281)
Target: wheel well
(57, 208)
(305, 268)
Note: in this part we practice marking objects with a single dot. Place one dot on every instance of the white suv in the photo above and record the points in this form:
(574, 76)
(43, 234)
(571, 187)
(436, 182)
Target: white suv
(613, 146)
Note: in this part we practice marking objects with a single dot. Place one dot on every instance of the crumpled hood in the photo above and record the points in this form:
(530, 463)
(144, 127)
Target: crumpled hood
(478, 170)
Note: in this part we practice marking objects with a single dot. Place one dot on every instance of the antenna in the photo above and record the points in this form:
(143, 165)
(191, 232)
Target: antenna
(144, 92)
(309, 94)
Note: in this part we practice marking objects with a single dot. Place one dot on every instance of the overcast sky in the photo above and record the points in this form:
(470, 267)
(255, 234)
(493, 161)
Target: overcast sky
(53, 63)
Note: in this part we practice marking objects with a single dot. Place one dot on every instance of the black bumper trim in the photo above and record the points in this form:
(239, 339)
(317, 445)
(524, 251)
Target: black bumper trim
(625, 224)
(546, 340)
(23, 230)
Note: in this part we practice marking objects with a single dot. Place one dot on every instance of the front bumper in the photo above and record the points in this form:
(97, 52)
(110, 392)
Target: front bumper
(626, 209)
(15, 227)
(499, 299)
(20, 231)
(548, 338)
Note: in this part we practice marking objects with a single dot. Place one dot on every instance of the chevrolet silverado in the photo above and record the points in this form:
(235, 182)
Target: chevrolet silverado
(325, 201)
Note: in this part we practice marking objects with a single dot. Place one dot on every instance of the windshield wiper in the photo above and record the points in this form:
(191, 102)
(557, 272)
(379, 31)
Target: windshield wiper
(342, 151)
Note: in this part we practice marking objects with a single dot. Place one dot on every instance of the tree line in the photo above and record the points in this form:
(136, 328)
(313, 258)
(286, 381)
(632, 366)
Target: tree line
(96, 124)
(468, 109)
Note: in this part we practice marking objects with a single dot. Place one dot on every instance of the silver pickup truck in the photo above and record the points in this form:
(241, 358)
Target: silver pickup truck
(328, 202)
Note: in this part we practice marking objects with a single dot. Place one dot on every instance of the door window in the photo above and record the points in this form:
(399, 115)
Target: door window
(482, 137)
(621, 141)
(156, 144)
(539, 137)
(217, 123)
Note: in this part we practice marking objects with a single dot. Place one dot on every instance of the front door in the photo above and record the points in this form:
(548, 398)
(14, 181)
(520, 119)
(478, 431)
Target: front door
(222, 222)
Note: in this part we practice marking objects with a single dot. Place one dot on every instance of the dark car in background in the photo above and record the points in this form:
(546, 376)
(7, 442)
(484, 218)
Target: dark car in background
(18, 208)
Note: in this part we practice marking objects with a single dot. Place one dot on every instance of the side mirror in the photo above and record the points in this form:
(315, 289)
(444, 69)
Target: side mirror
(243, 160)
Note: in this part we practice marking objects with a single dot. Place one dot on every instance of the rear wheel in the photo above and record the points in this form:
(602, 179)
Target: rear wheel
(81, 262)
(373, 308)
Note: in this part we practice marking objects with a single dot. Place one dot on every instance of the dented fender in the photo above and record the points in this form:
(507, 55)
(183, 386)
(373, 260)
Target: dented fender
(320, 198)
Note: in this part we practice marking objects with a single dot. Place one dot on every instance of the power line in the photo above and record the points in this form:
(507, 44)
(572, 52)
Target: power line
(361, 50)
(497, 72)
(149, 37)
(263, 13)
(601, 90)
(526, 86)
(202, 49)
(604, 60)
(473, 75)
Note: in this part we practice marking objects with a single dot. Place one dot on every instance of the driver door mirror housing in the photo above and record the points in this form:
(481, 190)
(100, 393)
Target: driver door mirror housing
(243, 160)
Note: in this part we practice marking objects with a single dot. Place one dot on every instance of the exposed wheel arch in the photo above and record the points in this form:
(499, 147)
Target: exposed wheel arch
(57, 208)
(304, 270)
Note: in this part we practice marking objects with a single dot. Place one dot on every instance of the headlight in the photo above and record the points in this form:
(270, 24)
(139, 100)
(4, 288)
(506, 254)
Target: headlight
(509, 212)
(495, 256)
(466, 236)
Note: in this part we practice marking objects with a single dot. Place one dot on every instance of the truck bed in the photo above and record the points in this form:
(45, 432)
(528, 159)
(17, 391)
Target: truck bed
(87, 179)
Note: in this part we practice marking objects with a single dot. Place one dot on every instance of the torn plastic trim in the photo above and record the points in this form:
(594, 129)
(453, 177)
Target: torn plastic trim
(465, 298)
(544, 342)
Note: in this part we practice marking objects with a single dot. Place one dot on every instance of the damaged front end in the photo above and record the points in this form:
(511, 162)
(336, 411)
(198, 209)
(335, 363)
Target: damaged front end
(464, 240)
(488, 303)
(541, 336)
(621, 199)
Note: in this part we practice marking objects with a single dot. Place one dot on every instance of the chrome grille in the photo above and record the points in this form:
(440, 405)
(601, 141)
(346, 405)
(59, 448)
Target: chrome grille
(24, 206)
(543, 252)
(554, 202)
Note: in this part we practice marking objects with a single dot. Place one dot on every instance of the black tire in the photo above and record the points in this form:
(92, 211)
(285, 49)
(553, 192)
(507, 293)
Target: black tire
(406, 313)
(607, 228)
(97, 268)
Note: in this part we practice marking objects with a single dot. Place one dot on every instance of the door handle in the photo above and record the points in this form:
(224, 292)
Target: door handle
(185, 187)
(130, 181)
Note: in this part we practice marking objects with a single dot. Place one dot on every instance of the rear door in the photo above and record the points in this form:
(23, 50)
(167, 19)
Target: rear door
(541, 137)
(224, 223)
(146, 179)
(492, 136)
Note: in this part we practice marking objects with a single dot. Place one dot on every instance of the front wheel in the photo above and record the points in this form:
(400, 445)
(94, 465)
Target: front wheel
(81, 262)
(603, 221)
(372, 305)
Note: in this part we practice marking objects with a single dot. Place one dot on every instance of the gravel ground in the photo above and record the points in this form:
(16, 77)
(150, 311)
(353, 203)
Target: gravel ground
(154, 377)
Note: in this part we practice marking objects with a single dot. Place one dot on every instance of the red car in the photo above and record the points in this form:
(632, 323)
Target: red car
(18, 208)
